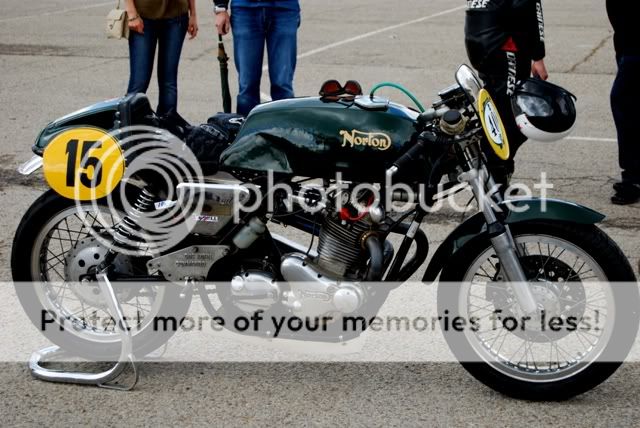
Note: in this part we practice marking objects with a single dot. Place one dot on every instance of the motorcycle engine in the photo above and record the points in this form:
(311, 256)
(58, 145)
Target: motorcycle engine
(340, 245)
(329, 284)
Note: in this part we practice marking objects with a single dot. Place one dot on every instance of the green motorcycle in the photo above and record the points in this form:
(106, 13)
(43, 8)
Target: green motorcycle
(529, 258)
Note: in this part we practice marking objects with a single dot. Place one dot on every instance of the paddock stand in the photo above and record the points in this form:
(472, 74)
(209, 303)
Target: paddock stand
(103, 379)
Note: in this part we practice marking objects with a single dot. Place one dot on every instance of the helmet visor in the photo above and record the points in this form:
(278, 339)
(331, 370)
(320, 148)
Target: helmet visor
(534, 106)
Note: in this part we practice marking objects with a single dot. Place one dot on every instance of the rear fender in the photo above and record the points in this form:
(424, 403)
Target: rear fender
(100, 115)
(31, 166)
(516, 211)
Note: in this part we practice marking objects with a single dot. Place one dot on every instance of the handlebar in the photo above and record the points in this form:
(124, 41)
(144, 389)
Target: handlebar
(419, 149)
(431, 114)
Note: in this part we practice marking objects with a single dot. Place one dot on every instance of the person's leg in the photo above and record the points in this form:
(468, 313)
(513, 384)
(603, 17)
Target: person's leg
(500, 77)
(142, 51)
(247, 25)
(282, 47)
(624, 99)
(170, 40)
(624, 96)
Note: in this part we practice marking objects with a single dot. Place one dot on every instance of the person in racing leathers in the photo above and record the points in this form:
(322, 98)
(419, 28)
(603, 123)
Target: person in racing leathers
(505, 43)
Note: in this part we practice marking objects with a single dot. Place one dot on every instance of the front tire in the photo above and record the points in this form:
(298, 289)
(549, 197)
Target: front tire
(570, 378)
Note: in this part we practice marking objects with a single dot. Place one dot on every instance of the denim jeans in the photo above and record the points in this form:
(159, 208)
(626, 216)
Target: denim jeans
(253, 27)
(624, 105)
(168, 35)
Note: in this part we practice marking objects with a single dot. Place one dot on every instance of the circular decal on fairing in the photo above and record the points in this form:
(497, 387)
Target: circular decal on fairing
(493, 125)
(83, 164)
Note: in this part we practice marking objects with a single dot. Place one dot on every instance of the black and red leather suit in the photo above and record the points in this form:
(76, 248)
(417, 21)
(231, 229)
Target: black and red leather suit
(503, 38)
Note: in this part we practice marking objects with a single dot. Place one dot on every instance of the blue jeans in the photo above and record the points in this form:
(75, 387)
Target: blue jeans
(252, 28)
(624, 104)
(168, 35)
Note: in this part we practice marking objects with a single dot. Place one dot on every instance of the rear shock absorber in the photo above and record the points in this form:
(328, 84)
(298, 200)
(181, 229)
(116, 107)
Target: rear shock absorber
(128, 230)
(126, 234)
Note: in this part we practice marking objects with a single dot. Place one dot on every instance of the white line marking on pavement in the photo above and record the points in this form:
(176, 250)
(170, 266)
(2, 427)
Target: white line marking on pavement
(330, 46)
(599, 140)
(379, 31)
(57, 12)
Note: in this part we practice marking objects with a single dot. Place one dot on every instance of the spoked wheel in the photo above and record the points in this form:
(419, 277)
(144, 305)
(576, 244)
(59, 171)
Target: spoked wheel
(586, 322)
(57, 246)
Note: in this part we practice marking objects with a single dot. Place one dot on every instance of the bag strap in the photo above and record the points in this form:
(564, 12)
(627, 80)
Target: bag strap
(118, 5)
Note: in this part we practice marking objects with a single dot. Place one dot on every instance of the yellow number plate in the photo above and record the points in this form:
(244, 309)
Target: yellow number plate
(493, 125)
(83, 164)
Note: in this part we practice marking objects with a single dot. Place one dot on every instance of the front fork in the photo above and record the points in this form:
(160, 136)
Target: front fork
(501, 238)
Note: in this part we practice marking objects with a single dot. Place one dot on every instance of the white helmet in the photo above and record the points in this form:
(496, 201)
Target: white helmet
(543, 111)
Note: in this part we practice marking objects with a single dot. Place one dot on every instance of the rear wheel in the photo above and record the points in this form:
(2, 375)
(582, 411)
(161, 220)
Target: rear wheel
(573, 270)
(55, 247)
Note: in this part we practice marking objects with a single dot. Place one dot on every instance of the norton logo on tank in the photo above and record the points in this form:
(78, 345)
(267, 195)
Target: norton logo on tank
(376, 140)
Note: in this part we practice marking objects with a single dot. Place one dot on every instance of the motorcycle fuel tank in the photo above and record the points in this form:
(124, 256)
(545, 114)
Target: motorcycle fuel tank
(311, 137)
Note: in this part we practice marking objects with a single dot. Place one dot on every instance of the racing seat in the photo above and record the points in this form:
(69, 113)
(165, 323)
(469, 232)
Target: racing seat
(206, 141)
(209, 140)
(133, 109)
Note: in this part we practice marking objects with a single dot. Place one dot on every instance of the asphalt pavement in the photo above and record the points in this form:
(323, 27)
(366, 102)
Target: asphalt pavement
(54, 59)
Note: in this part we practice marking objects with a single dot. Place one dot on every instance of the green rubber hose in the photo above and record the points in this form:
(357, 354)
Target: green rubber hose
(401, 89)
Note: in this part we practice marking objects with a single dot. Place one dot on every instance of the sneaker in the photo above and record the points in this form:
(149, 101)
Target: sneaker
(626, 193)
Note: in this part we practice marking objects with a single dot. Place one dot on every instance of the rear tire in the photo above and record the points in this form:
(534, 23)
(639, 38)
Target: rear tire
(145, 340)
(589, 374)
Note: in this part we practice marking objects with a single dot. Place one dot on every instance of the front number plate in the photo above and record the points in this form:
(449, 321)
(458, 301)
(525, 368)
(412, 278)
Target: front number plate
(493, 125)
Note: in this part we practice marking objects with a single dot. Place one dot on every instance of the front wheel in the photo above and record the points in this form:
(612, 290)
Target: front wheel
(576, 272)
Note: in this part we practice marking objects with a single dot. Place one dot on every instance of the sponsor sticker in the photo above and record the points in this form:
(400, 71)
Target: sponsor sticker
(164, 204)
(207, 218)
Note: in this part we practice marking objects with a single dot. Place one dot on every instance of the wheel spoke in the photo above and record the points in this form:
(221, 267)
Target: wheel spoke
(561, 276)
(63, 234)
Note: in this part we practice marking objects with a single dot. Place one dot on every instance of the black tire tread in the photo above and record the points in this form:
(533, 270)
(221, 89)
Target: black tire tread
(617, 268)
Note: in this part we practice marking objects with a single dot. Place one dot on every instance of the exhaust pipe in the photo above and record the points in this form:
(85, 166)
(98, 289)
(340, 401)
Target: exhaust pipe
(376, 258)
